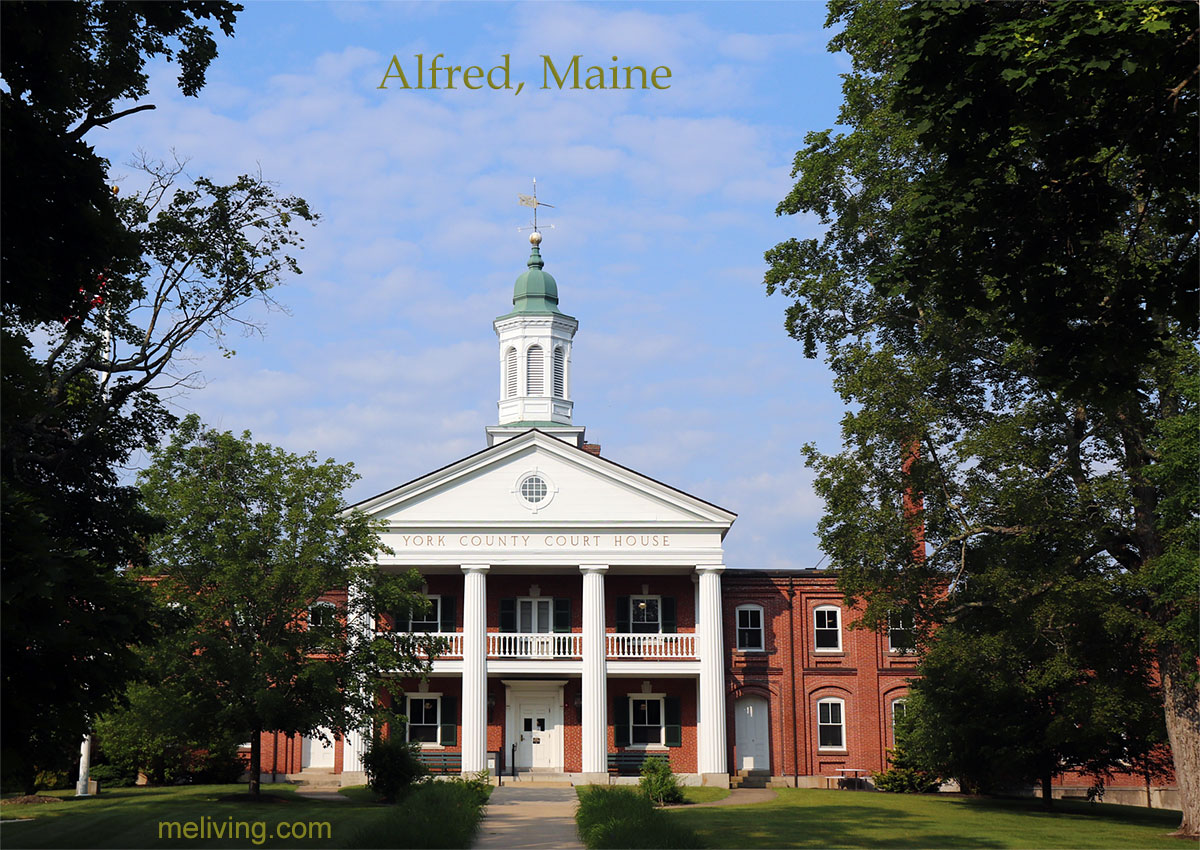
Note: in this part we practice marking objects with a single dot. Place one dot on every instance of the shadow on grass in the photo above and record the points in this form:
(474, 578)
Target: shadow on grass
(1166, 819)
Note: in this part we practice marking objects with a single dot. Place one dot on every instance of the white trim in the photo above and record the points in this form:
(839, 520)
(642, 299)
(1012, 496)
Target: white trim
(551, 490)
(836, 610)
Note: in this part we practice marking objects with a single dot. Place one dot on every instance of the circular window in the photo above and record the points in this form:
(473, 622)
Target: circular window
(533, 489)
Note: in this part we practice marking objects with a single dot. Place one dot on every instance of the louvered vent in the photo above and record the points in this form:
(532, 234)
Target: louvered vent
(558, 372)
(510, 373)
(535, 376)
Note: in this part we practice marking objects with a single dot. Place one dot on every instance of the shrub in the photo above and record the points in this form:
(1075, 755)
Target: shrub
(619, 816)
(112, 776)
(392, 765)
(659, 783)
(904, 776)
(434, 814)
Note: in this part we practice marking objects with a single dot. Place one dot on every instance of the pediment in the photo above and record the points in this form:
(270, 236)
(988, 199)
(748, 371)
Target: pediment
(582, 489)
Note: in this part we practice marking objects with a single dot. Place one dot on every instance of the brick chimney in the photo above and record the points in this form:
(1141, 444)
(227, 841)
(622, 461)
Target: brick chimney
(592, 448)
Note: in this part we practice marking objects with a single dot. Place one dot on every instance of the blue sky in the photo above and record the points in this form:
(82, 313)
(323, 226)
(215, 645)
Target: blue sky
(664, 205)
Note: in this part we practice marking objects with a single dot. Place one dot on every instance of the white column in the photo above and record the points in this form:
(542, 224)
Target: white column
(712, 672)
(362, 628)
(85, 766)
(595, 675)
(474, 677)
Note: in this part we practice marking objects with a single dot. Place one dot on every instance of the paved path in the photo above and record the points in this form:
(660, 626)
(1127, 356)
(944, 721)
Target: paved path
(328, 795)
(530, 817)
(738, 797)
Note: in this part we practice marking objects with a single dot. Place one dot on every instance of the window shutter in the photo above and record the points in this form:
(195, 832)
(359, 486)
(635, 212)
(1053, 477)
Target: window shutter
(621, 721)
(673, 729)
(558, 372)
(448, 731)
(449, 613)
(508, 614)
(562, 614)
(667, 609)
(510, 373)
(623, 614)
(535, 371)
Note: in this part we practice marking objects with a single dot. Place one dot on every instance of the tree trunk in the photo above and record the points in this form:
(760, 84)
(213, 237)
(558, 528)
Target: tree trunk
(1047, 793)
(255, 762)
(1181, 700)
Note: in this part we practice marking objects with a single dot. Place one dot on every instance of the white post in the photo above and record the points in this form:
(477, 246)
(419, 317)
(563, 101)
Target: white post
(361, 625)
(595, 690)
(85, 766)
(712, 676)
(474, 677)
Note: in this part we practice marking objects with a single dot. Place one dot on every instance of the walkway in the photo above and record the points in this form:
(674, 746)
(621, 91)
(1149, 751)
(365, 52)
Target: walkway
(530, 817)
(737, 797)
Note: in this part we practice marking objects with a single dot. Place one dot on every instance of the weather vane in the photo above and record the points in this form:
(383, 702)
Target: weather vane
(532, 201)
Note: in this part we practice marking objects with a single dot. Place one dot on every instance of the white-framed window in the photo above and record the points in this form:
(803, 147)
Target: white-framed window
(831, 724)
(899, 706)
(510, 373)
(560, 369)
(430, 620)
(424, 718)
(535, 614)
(901, 637)
(645, 614)
(322, 615)
(646, 720)
(827, 628)
(750, 628)
(535, 371)
(534, 490)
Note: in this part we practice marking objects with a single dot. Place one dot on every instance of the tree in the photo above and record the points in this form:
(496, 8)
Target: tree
(1006, 296)
(253, 537)
(101, 293)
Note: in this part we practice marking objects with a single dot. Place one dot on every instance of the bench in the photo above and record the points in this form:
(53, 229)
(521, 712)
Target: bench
(629, 764)
(441, 762)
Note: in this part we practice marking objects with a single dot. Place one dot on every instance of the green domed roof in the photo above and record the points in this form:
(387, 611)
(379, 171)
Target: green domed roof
(535, 291)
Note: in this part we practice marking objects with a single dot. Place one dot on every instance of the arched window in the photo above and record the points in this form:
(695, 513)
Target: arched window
(559, 371)
(535, 371)
(898, 707)
(831, 724)
(828, 629)
(510, 373)
(750, 628)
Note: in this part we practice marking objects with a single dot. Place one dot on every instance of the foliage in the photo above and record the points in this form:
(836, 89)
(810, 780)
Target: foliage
(435, 814)
(659, 783)
(619, 816)
(112, 776)
(905, 773)
(84, 269)
(392, 765)
(1006, 295)
(253, 537)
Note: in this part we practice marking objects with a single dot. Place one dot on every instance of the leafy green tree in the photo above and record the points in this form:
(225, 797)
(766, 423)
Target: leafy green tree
(101, 292)
(253, 537)
(1005, 293)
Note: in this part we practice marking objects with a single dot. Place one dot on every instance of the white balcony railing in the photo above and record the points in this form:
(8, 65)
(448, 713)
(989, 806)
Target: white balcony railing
(651, 646)
(509, 645)
(513, 645)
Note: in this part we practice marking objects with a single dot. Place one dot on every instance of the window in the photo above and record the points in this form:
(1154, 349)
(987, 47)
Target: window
(533, 615)
(645, 614)
(901, 637)
(899, 706)
(831, 730)
(646, 724)
(534, 489)
(559, 370)
(510, 373)
(430, 621)
(535, 371)
(322, 615)
(424, 715)
(750, 628)
(828, 629)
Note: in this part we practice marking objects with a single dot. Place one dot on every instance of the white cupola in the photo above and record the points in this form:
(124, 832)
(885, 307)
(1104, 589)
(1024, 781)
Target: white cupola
(535, 359)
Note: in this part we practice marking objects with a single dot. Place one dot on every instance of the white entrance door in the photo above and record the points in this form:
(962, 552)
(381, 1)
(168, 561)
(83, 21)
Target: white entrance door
(317, 753)
(751, 734)
(536, 743)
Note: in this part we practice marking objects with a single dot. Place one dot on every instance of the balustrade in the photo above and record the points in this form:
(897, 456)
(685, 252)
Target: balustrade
(563, 645)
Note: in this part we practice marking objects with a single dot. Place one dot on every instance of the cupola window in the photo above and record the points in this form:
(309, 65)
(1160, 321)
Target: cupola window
(559, 368)
(535, 375)
(510, 373)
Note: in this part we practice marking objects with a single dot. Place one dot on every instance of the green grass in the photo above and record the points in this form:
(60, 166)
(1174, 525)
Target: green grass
(812, 818)
(129, 817)
(703, 794)
(618, 816)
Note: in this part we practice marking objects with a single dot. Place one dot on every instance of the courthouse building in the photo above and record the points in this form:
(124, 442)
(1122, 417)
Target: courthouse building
(591, 618)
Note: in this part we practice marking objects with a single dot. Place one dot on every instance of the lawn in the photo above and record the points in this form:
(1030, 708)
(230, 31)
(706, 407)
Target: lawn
(812, 818)
(130, 817)
(691, 793)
